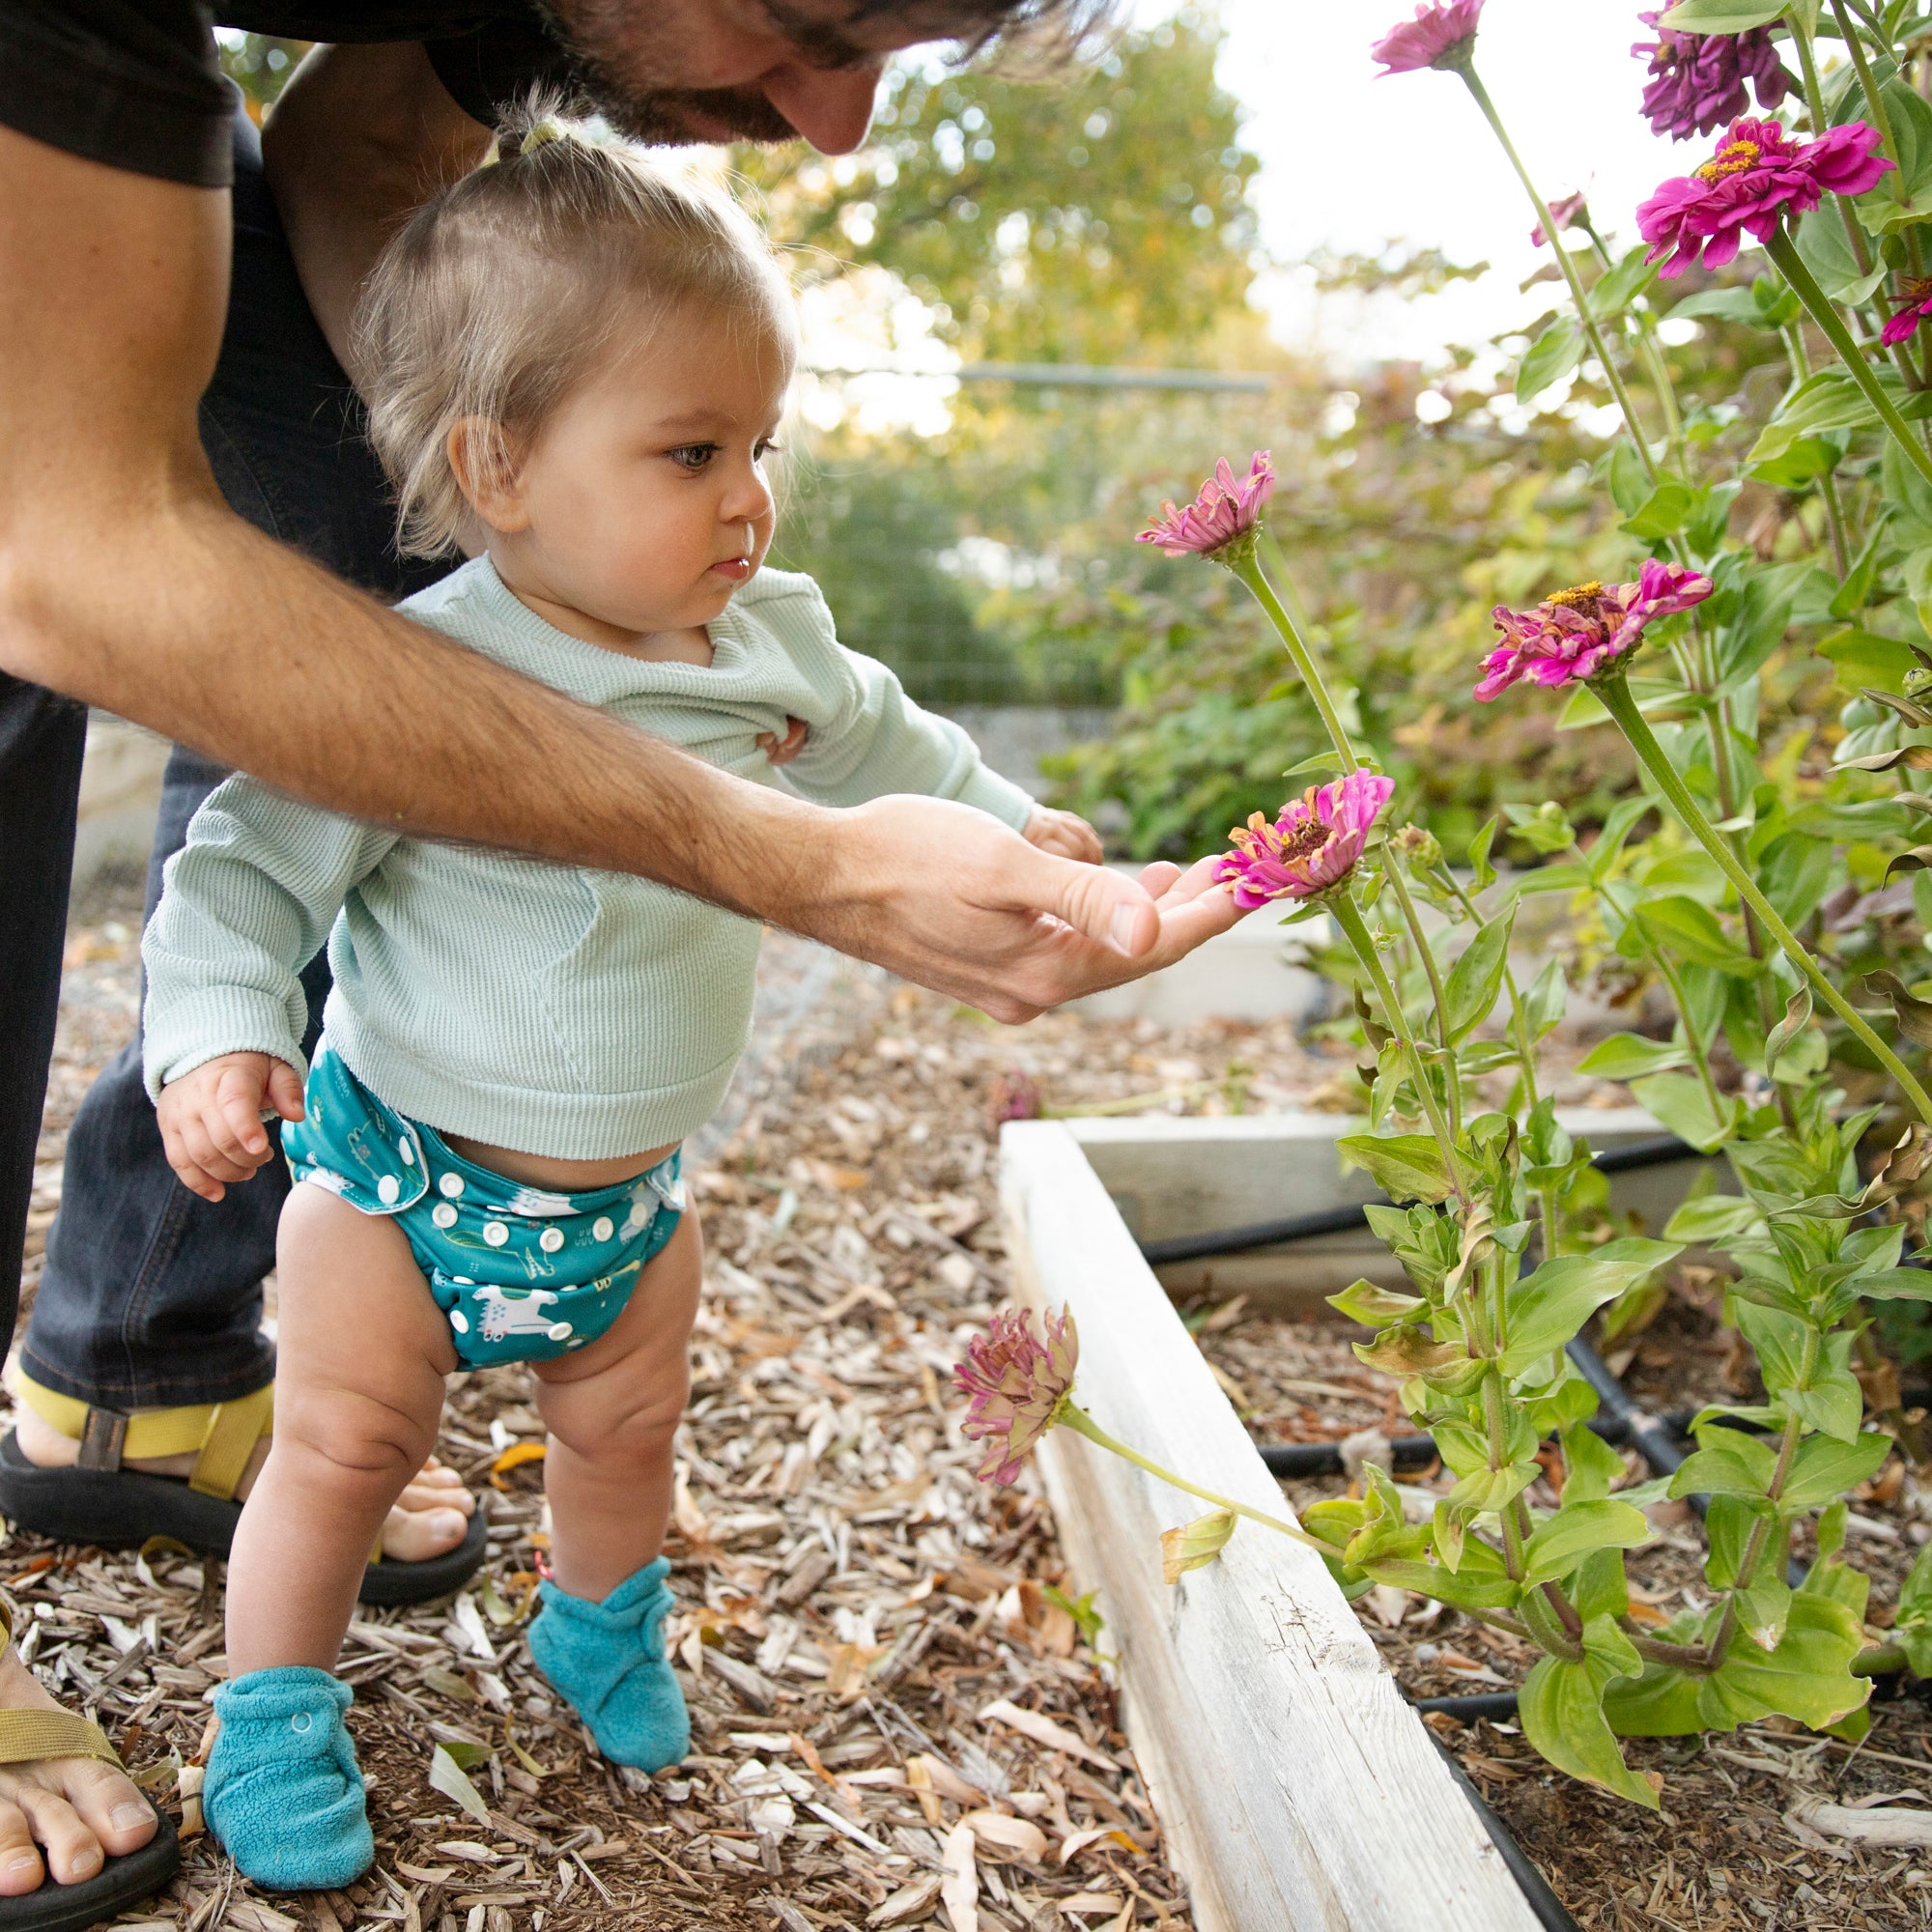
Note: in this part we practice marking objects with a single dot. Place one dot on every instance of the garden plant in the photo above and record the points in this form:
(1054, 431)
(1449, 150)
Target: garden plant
(1777, 894)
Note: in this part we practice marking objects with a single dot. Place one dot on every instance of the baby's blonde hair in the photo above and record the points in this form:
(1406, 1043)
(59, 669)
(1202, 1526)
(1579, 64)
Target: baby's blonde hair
(504, 289)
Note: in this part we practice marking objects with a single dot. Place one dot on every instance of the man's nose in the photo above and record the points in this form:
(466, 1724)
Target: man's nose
(830, 108)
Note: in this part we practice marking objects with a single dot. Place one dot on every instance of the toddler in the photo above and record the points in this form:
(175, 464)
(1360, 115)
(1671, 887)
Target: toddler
(575, 362)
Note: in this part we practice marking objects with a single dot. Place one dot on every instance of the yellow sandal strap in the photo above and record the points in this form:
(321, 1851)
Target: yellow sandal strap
(222, 1435)
(29, 1735)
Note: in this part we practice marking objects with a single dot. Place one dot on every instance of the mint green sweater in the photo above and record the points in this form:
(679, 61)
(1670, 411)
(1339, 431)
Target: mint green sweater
(573, 1014)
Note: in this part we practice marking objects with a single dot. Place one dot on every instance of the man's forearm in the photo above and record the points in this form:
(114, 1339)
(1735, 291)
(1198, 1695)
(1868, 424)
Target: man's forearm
(319, 691)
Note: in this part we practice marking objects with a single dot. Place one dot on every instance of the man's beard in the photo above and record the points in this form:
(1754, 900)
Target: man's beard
(612, 75)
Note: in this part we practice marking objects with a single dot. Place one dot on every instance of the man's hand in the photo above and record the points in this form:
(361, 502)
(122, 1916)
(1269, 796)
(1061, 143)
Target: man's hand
(1013, 931)
(211, 1119)
(1065, 834)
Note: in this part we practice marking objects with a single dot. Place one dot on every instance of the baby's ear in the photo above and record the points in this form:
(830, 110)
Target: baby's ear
(485, 466)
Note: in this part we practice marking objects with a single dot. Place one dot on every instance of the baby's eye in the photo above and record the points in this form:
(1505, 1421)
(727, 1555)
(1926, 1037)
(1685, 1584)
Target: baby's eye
(767, 447)
(692, 457)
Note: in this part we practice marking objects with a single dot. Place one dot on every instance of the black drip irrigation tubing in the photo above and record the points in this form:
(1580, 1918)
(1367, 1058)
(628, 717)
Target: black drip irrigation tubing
(1659, 1439)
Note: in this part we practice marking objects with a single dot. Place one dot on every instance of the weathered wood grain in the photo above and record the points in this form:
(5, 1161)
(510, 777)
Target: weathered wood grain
(1297, 1789)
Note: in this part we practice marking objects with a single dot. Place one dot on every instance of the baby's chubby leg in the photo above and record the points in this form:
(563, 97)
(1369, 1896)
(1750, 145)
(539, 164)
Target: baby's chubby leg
(362, 1352)
(612, 1413)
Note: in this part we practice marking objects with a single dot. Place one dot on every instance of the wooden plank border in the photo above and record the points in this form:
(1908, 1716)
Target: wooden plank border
(1297, 1789)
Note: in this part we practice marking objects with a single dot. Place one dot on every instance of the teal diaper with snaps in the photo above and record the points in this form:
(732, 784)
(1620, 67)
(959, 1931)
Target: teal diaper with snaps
(523, 1274)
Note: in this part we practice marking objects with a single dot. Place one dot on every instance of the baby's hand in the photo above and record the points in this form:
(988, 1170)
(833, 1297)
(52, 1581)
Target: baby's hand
(782, 750)
(1065, 834)
(211, 1119)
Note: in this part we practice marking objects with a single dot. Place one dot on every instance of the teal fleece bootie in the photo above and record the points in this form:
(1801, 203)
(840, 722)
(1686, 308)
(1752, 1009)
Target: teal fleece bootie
(608, 1659)
(282, 1792)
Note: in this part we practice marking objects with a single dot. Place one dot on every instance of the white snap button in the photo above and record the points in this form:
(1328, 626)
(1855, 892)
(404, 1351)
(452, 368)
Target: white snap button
(558, 1331)
(551, 1239)
(495, 1234)
(408, 1152)
(300, 1722)
(444, 1214)
(575, 1341)
(459, 1321)
(387, 1190)
(451, 1185)
(602, 1228)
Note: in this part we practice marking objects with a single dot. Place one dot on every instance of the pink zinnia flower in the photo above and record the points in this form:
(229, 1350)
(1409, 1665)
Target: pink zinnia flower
(1439, 36)
(1915, 305)
(1578, 633)
(1697, 80)
(1756, 178)
(1017, 1386)
(1562, 214)
(1015, 1096)
(1227, 508)
(1312, 846)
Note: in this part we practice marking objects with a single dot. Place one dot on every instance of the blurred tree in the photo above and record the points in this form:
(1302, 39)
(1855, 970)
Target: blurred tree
(259, 65)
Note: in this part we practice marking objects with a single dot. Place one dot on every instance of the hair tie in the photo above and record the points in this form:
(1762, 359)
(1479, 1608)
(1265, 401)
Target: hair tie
(549, 129)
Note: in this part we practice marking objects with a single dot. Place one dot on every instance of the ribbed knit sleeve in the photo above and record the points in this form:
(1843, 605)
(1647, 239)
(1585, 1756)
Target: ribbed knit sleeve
(880, 741)
(248, 902)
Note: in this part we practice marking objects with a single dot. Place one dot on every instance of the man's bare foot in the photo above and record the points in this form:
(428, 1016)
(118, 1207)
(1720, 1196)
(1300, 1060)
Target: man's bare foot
(81, 1809)
(430, 1517)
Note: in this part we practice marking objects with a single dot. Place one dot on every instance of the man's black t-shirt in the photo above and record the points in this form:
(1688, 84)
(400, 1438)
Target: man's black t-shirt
(135, 83)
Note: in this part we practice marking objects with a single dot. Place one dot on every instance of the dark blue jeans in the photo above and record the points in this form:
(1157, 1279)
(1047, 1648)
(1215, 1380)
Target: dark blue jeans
(152, 1296)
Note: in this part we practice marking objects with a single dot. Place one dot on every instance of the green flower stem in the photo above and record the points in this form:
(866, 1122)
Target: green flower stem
(1072, 1416)
(1784, 253)
(1451, 1079)
(1480, 96)
(1760, 1531)
(1881, 120)
(1348, 917)
(1616, 699)
(1651, 356)
(1690, 1039)
(1247, 567)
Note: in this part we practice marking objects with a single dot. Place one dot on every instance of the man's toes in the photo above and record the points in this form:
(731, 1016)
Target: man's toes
(412, 1536)
(73, 1852)
(20, 1867)
(109, 1806)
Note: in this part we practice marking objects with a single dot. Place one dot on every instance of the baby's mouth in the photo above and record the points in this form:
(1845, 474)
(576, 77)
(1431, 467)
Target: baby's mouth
(734, 568)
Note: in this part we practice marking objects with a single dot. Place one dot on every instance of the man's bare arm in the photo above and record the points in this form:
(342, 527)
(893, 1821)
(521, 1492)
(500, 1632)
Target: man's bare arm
(125, 580)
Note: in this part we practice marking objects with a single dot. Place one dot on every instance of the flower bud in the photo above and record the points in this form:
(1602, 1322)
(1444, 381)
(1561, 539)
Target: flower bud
(1420, 847)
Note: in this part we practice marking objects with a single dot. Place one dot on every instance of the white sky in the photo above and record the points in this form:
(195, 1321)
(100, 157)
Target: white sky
(1352, 160)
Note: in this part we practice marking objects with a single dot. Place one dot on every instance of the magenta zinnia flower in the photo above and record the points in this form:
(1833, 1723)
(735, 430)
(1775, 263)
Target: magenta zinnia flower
(1311, 848)
(1581, 632)
(1439, 36)
(1017, 1386)
(1915, 305)
(1015, 1096)
(1756, 178)
(1228, 507)
(1697, 80)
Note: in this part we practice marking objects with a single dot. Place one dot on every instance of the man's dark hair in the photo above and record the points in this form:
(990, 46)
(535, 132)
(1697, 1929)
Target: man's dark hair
(1037, 30)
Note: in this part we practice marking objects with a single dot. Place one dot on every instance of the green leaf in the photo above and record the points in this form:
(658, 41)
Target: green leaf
(1476, 979)
(1463, 1588)
(1561, 1710)
(1409, 1167)
(1545, 1309)
(1726, 305)
(1863, 657)
(1322, 761)
(1662, 513)
(1479, 855)
(1661, 1703)
(446, 1776)
(1590, 1465)
(1583, 708)
(1408, 1351)
(1899, 1284)
(1629, 1056)
(1547, 1001)
(1829, 403)
(1195, 1543)
(1727, 1462)
(1682, 1104)
(1823, 1470)
(1824, 250)
(1691, 932)
(1615, 289)
(1375, 1307)
(1915, 1015)
(1807, 1676)
(1719, 16)
(1560, 1543)
(1549, 357)
(1712, 1217)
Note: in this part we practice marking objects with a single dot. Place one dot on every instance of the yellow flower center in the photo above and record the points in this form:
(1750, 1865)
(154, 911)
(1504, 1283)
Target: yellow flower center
(1738, 159)
(1310, 835)
(1582, 598)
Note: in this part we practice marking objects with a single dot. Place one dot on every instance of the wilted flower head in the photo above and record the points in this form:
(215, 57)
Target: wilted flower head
(1015, 1096)
(1419, 846)
(1227, 509)
(1312, 846)
(1562, 212)
(1017, 1386)
(1581, 632)
(1915, 304)
(1752, 181)
(1697, 80)
(1442, 35)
